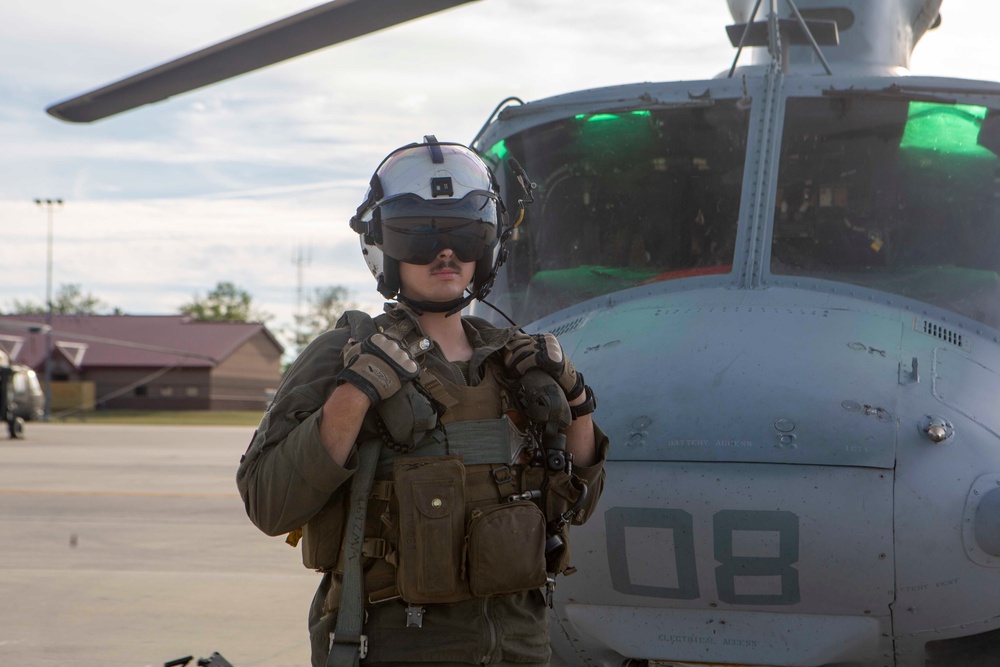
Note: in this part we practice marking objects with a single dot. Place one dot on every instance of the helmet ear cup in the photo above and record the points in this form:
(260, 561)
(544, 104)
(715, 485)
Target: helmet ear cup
(388, 282)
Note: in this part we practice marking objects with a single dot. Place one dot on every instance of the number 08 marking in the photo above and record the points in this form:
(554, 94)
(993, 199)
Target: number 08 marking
(724, 524)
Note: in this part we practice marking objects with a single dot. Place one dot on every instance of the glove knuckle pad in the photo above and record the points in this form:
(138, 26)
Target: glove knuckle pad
(393, 354)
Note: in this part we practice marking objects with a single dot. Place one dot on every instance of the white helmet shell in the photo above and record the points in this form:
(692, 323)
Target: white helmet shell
(412, 170)
(425, 198)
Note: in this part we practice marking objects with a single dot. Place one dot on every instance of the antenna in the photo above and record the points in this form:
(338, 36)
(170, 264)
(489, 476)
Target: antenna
(301, 258)
(778, 35)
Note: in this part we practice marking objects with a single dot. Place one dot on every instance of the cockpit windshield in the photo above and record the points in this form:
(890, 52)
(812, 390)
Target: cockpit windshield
(622, 199)
(894, 194)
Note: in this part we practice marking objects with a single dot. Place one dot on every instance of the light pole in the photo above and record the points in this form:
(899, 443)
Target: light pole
(49, 205)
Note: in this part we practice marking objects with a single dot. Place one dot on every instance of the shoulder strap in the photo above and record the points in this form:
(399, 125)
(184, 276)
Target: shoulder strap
(349, 644)
(361, 323)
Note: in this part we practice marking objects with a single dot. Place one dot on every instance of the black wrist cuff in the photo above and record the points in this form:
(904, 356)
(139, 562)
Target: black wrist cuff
(577, 389)
(587, 406)
(355, 378)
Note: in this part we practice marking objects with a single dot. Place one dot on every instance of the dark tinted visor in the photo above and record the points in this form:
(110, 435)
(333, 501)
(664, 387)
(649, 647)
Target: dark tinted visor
(415, 230)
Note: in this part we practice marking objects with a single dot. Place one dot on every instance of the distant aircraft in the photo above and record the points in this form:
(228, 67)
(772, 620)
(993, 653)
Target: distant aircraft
(8, 404)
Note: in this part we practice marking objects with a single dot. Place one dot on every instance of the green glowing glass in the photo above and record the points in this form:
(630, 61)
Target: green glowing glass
(951, 129)
(496, 153)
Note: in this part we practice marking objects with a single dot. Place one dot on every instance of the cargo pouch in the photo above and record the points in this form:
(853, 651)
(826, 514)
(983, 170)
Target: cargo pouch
(506, 549)
(323, 535)
(430, 497)
(561, 493)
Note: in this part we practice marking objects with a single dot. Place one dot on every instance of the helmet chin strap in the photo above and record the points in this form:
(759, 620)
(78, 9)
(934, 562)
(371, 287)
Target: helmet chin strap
(449, 308)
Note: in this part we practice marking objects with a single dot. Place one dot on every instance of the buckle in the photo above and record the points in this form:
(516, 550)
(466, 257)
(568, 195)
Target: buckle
(360, 640)
(502, 475)
(373, 547)
(414, 616)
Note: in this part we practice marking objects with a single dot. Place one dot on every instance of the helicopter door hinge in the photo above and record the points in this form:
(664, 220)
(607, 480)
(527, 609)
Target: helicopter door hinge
(909, 374)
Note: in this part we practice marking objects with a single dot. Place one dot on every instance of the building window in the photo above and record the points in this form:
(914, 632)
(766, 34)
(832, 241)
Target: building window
(142, 390)
(166, 391)
(191, 391)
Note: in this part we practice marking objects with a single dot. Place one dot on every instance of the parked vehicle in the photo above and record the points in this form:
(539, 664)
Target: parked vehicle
(15, 425)
(28, 397)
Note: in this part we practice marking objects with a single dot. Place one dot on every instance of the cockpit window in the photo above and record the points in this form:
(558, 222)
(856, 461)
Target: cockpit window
(898, 195)
(622, 199)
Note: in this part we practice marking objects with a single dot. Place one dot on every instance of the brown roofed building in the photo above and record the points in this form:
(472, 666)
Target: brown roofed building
(157, 362)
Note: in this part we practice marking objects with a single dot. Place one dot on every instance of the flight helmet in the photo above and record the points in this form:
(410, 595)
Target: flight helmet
(425, 198)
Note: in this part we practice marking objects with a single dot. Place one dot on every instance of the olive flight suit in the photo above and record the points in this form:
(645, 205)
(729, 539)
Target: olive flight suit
(288, 481)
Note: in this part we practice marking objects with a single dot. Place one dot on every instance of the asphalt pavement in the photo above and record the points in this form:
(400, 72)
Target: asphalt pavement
(128, 546)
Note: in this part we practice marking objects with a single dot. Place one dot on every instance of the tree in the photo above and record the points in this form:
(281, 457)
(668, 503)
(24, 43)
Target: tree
(69, 299)
(226, 303)
(326, 305)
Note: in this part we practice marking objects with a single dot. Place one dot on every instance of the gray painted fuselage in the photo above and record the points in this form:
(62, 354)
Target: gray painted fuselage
(775, 492)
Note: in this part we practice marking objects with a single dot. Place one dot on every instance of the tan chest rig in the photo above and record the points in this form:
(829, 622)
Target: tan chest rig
(450, 515)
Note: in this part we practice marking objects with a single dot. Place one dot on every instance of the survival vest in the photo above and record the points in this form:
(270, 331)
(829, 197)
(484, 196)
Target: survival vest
(451, 514)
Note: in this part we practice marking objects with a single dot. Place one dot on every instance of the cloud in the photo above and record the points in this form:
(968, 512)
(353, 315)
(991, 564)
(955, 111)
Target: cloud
(226, 182)
(150, 257)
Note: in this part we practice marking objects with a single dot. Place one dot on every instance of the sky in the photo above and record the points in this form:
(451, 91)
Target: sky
(254, 180)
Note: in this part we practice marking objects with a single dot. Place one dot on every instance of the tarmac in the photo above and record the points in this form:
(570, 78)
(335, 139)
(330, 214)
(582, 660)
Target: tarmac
(128, 546)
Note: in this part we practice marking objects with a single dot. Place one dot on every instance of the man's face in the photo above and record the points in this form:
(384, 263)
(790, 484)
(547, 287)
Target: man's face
(443, 280)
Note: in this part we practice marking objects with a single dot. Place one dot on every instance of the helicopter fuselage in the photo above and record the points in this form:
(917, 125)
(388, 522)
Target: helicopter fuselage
(784, 286)
(794, 342)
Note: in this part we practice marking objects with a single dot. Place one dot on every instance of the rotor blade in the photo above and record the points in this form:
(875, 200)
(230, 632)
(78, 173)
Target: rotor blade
(316, 28)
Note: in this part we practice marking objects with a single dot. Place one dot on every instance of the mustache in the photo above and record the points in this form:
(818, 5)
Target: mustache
(446, 264)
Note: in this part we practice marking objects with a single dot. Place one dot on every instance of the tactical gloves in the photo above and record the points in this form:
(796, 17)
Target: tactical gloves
(378, 366)
(524, 352)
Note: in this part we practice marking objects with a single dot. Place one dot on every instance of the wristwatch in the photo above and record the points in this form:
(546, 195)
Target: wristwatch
(587, 406)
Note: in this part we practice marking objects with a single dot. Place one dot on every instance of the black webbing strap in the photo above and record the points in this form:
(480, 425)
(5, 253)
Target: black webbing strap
(349, 645)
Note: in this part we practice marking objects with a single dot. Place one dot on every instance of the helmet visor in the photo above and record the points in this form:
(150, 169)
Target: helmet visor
(415, 230)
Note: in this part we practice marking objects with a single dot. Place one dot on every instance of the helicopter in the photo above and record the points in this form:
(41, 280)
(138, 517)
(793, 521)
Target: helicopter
(21, 396)
(785, 281)
(8, 405)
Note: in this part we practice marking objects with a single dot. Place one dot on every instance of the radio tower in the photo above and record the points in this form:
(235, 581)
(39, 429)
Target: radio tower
(301, 259)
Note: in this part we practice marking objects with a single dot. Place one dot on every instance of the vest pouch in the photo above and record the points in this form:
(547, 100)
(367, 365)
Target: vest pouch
(430, 497)
(561, 494)
(323, 535)
(506, 548)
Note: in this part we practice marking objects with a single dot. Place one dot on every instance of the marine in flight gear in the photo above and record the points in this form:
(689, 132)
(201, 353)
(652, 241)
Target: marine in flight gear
(433, 478)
